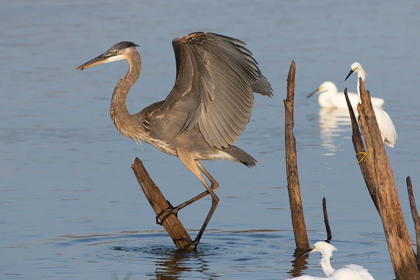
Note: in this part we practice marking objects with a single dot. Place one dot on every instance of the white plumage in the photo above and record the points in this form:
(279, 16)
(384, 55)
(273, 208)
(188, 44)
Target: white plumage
(329, 97)
(386, 126)
(348, 272)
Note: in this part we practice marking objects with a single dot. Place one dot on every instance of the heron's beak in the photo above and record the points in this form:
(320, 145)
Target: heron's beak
(351, 72)
(97, 60)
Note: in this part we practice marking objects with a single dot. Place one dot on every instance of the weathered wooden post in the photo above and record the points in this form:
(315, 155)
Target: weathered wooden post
(158, 202)
(383, 192)
(298, 220)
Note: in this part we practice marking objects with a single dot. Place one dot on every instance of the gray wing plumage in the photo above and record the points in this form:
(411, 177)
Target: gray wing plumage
(216, 78)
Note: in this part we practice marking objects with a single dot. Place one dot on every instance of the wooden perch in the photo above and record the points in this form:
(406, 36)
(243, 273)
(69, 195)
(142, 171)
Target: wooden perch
(326, 221)
(416, 218)
(360, 148)
(380, 183)
(158, 202)
(298, 220)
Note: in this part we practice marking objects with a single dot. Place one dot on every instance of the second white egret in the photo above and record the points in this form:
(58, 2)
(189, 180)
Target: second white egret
(329, 97)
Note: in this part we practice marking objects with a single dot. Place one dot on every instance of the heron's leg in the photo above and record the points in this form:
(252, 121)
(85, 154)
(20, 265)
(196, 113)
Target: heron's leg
(174, 210)
(214, 183)
(188, 160)
(214, 186)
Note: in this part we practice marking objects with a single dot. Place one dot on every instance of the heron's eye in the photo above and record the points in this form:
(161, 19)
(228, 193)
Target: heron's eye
(116, 52)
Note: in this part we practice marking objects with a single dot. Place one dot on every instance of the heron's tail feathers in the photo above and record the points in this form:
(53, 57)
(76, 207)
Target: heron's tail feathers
(241, 156)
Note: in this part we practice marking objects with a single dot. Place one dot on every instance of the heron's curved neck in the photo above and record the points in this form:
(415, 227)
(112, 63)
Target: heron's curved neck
(126, 123)
(326, 266)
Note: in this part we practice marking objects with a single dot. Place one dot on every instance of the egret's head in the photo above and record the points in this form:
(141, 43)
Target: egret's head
(324, 87)
(115, 53)
(355, 67)
(323, 247)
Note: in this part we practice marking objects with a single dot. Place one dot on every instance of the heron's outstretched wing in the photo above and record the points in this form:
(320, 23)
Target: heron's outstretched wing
(216, 78)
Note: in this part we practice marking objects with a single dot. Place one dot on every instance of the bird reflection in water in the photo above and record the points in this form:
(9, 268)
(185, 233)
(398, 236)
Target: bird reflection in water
(332, 122)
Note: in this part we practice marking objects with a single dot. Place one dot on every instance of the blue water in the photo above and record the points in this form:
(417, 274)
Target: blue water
(70, 206)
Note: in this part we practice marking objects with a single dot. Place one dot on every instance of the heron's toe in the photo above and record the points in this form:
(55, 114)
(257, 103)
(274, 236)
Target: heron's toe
(363, 158)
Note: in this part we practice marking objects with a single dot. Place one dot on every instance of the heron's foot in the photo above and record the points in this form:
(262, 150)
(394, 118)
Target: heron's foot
(364, 157)
(191, 246)
(165, 213)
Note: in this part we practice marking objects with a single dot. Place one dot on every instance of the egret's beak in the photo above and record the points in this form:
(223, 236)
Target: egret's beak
(103, 58)
(312, 93)
(306, 252)
(351, 72)
(319, 90)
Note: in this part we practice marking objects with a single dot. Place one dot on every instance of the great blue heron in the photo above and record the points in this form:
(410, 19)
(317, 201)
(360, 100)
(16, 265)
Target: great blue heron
(206, 111)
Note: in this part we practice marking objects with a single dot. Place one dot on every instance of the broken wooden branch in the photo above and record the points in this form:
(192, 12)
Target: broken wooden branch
(326, 221)
(298, 220)
(360, 148)
(171, 224)
(381, 186)
(415, 215)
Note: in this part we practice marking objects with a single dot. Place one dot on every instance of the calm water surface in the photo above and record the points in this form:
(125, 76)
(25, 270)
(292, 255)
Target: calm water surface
(70, 206)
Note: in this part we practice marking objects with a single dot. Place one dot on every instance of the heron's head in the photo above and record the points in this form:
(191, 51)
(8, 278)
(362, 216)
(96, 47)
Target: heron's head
(356, 66)
(115, 53)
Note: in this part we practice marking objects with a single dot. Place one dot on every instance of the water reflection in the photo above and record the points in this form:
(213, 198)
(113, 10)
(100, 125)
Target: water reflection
(170, 263)
(175, 265)
(332, 121)
(299, 263)
(155, 258)
(126, 277)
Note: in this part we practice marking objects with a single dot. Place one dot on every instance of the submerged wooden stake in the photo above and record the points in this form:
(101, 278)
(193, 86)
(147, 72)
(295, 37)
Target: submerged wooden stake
(381, 186)
(298, 220)
(158, 202)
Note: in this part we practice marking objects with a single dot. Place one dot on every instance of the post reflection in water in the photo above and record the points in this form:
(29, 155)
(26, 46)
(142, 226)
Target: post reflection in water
(332, 121)
(176, 264)
(299, 262)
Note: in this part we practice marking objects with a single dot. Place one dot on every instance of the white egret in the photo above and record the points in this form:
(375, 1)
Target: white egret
(386, 126)
(348, 272)
(329, 97)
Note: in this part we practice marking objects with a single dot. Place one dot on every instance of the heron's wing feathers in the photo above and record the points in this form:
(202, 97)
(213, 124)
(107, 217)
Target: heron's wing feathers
(216, 78)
